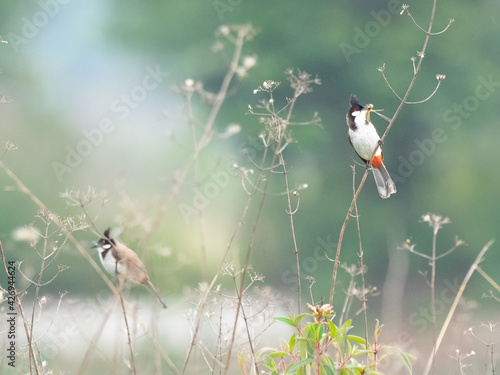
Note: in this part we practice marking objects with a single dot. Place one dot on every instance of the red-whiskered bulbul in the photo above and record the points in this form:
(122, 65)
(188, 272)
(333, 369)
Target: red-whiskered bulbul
(123, 262)
(364, 138)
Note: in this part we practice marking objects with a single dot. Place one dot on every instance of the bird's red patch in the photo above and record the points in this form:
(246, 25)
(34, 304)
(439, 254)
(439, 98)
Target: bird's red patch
(377, 161)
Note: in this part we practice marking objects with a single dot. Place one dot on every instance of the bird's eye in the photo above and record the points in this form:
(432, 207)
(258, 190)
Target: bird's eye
(106, 246)
(355, 113)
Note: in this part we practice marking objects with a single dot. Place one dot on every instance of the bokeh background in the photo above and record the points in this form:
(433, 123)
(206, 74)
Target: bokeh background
(71, 67)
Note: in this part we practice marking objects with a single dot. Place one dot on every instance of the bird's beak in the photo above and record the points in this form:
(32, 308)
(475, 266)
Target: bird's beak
(369, 107)
(94, 245)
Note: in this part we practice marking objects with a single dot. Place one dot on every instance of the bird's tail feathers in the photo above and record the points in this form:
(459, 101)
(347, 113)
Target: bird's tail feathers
(155, 292)
(384, 182)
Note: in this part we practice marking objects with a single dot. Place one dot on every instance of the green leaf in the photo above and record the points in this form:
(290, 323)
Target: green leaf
(291, 320)
(378, 329)
(270, 364)
(278, 354)
(357, 339)
(347, 325)
(301, 363)
(329, 370)
(362, 351)
(299, 317)
(321, 331)
(405, 357)
(302, 346)
(285, 320)
(263, 353)
(291, 343)
(333, 329)
(326, 360)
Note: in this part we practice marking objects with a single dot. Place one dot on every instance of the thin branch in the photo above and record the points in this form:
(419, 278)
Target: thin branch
(398, 110)
(278, 126)
(431, 95)
(472, 268)
(291, 213)
(382, 70)
(488, 278)
(361, 252)
(60, 224)
(23, 315)
(244, 33)
(131, 349)
(245, 268)
(93, 343)
(450, 21)
(203, 301)
(457, 244)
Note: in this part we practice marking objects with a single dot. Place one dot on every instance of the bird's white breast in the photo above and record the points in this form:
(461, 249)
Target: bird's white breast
(108, 262)
(365, 138)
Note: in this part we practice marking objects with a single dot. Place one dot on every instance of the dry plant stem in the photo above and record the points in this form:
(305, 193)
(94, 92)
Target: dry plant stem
(73, 240)
(201, 219)
(100, 330)
(433, 294)
(250, 341)
(342, 230)
(403, 101)
(290, 211)
(154, 336)
(218, 351)
(488, 278)
(207, 133)
(39, 282)
(24, 189)
(155, 343)
(348, 301)
(95, 339)
(361, 263)
(23, 316)
(203, 301)
(278, 153)
(245, 268)
(472, 268)
(132, 357)
(295, 248)
(120, 293)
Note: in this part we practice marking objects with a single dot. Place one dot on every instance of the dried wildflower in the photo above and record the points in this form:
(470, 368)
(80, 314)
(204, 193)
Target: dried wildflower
(435, 221)
(267, 85)
(224, 30)
(249, 62)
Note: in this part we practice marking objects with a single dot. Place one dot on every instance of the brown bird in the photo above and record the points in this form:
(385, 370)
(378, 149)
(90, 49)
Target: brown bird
(123, 262)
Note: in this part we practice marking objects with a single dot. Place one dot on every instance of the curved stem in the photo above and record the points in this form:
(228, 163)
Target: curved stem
(403, 102)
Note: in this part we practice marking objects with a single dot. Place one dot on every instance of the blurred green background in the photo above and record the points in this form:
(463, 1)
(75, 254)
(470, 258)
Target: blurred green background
(67, 63)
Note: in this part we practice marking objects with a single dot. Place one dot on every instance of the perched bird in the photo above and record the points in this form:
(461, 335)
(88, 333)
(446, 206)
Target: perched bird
(364, 139)
(123, 262)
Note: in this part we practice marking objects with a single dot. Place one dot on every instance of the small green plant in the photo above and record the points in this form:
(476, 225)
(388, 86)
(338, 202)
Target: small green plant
(320, 347)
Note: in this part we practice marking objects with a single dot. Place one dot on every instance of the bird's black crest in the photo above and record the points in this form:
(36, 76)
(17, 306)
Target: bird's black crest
(354, 102)
(107, 238)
